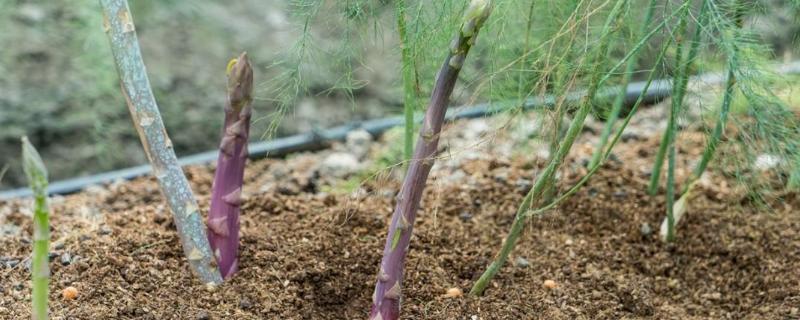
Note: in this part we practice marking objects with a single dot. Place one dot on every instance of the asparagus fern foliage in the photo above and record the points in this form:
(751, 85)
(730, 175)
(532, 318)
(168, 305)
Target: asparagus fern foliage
(387, 295)
(223, 218)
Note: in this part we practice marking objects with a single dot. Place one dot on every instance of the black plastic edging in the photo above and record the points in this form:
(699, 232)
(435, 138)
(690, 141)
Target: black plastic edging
(659, 89)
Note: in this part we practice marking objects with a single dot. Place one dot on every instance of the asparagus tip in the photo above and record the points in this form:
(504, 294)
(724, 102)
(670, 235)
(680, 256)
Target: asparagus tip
(240, 81)
(32, 163)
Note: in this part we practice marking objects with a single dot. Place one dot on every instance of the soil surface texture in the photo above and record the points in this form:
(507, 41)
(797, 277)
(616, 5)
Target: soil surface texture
(311, 251)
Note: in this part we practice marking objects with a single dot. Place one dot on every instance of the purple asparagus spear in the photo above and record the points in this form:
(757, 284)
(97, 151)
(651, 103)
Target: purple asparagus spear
(386, 298)
(223, 218)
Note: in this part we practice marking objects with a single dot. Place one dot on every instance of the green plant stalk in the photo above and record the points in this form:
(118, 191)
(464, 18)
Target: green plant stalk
(388, 288)
(120, 29)
(678, 88)
(794, 179)
(409, 80)
(619, 100)
(670, 232)
(40, 271)
(560, 89)
(546, 177)
(667, 231)
(668, 143)
(593, 169)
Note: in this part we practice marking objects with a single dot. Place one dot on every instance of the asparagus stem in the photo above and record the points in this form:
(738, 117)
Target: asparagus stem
(409, 80)
(678, 89)
(119, 27)
(619, 100)
(670, 232)
(223, 218)
(387, 295)
(614, 140)
(546, 177)
(667, 231)
(40, 271)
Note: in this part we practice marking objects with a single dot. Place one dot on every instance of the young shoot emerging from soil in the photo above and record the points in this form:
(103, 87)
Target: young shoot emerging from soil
(121, 33)
(223, 218)
(40, 271)
(388, 290)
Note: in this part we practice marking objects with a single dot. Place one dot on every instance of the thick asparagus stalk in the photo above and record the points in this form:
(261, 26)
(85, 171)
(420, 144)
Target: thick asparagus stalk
(118, 23)
(40, 271)
(386, 298)
(223, 218)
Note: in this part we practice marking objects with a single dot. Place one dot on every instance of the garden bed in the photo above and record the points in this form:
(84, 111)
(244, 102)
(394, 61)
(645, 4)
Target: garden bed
(310, 250)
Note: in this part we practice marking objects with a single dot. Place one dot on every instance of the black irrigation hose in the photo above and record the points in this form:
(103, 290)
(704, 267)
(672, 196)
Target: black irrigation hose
(659, 90)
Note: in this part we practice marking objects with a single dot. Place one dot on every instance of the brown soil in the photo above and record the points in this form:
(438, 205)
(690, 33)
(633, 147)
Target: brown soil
(310, 255)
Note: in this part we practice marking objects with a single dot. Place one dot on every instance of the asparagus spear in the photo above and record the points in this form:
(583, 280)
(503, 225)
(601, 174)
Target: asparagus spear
(386, 298)
(223, 218)
(40, 271)
(118, 23)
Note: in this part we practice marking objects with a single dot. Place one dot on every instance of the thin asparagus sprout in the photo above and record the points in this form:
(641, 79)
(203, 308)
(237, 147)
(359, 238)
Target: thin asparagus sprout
(684, 64)
(619, 100)
(223, 217)
(668, 142)
(119, 27)
(387, 295)
(794, 177)
(546, 177)
(614, 140)
(561, 86)
(409, 79)
(40, 270)
(667, 230)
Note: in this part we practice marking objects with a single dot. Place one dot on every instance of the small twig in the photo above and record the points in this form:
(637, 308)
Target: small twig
(148, 246)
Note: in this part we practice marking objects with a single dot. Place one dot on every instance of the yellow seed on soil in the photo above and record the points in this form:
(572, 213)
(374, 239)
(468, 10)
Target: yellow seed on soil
(550, 284)
(454, 293)
(69, 293)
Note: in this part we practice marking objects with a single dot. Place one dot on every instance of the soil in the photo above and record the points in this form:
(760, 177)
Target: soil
(309, 254)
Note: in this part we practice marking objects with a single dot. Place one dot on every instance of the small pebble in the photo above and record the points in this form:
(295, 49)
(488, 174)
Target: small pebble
(11, 263)
(203, 315)
(550, 284)
(245, 304)
(66, 259)
(521, 262)
(104, 230)
(454, 293)
(523, 185)
(645, 229)
(69, 293)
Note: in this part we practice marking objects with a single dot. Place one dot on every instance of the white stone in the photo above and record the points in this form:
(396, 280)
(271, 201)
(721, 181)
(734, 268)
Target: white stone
(339, 165)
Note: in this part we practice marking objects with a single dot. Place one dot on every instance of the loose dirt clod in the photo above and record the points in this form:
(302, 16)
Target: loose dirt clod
(454, 293)
(69, 293)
